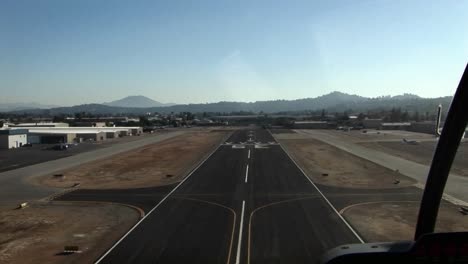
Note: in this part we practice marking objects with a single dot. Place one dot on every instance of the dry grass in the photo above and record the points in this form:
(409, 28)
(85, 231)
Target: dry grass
(393, 221)
(153, 165)
(38, 234)
(377, 135)
(328, 165)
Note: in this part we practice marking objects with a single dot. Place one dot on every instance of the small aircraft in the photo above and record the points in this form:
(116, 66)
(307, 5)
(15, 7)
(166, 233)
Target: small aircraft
(411, 142)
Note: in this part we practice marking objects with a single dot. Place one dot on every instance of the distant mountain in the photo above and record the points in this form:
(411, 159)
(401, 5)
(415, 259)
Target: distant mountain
(6, 107)
(332, 102)
(136, 101)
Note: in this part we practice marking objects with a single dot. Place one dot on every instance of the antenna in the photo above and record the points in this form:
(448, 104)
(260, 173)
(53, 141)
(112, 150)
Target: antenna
(439, 115)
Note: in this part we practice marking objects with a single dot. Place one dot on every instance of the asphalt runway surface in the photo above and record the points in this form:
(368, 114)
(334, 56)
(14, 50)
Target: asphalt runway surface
(247, 203)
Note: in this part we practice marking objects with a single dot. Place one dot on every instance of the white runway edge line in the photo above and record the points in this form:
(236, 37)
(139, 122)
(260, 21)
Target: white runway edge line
(239, 242)
(154, 208)
(325, 198)
(247, 173)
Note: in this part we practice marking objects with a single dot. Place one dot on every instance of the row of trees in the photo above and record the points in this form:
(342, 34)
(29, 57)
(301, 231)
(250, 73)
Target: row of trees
(393, 115)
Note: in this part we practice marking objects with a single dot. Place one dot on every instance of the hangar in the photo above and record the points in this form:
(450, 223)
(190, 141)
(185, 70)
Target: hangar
(13, 138)
(52, 135)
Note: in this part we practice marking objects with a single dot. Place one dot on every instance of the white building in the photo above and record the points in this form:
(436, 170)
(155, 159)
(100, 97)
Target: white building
(53, 135)
(395, 126)
(13, 138)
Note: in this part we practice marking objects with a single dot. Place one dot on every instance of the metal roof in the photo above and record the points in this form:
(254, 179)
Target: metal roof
(62, 132)
(75, 130)
(13, 131)
(82, 128)
(40, 124)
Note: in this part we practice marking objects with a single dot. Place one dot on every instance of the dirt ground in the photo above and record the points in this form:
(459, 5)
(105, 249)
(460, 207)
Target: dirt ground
(328, 165)
(158, 164)
(379, 135)
(38, 234)
(422, 153)
(396, 221)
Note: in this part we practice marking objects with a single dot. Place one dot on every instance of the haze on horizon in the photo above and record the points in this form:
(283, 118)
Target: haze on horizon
(67, 53)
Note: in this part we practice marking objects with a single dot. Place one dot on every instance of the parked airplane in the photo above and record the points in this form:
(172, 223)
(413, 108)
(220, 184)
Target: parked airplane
(411, 142)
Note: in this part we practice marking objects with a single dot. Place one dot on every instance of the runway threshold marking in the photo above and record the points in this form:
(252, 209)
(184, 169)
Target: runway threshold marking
(241, 226)
(247, 173)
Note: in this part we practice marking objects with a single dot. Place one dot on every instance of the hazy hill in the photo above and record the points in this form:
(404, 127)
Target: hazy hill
(6, 107)
(136, 101)
(333, 102)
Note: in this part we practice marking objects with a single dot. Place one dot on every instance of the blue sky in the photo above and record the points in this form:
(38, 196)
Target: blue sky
(71, 52)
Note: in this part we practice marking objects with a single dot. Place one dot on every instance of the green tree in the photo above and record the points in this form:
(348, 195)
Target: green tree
(416, 116)
(322, 115)
(395, 115)
(405, 116)
(361, 116)
(144, 121)
(58, 119)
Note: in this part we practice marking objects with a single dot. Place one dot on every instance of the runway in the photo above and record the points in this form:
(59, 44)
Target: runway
(247, 203)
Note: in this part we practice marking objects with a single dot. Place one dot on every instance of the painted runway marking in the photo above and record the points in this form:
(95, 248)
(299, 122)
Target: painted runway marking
(324, 197)
(247, 173)
(249, 231)
(233, 223)
(248, 155)
(376, 202)
(155, 207)
(239, 242)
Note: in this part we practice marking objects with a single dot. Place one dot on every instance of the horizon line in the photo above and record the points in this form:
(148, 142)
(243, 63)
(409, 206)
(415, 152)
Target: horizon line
(220, 101)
